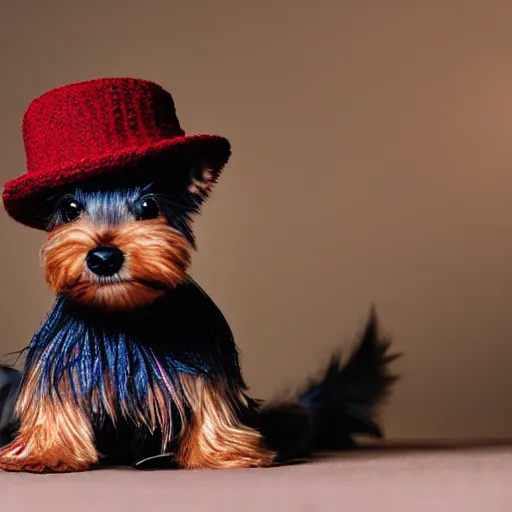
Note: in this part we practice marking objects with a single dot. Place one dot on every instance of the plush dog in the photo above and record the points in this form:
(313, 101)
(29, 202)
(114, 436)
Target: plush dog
(134, 364)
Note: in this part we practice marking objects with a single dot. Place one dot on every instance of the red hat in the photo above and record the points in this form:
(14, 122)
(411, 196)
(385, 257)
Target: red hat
(97, 128)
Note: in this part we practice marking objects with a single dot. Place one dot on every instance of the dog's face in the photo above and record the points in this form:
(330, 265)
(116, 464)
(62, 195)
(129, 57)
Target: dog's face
(119, 249)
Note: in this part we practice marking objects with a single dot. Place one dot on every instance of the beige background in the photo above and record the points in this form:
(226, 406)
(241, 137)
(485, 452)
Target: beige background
(372, 163)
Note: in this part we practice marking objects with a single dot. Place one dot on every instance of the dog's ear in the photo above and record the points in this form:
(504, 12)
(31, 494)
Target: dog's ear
(189, 183)
(200, 182)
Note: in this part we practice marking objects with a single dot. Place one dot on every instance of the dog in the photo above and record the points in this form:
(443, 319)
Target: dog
(135, 364)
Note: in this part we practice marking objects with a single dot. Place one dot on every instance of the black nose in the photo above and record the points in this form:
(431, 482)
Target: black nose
(105, 260)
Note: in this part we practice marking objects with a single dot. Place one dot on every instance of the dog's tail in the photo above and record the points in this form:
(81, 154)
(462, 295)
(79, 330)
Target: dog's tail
(342, 403)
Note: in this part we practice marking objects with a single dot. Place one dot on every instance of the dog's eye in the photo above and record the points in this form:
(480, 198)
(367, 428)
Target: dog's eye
(70, 209)
(146, 209)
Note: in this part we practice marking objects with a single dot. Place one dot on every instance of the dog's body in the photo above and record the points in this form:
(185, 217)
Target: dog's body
(134, 363)
(114, 377)
(134, 382)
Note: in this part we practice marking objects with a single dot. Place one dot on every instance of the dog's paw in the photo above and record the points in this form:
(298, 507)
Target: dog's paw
(230, 457)
(22, 466)
(13, 459)
(39, 466)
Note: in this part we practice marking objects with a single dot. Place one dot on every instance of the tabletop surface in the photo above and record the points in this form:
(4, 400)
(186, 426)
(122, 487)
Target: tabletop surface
(394, 476)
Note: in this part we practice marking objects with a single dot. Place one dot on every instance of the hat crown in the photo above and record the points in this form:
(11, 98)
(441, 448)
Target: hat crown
(87, 120)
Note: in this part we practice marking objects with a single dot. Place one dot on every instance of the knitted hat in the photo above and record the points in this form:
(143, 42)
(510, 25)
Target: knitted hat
(121, 127)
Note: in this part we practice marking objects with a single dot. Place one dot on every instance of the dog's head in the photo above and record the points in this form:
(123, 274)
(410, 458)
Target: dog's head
(121, 248)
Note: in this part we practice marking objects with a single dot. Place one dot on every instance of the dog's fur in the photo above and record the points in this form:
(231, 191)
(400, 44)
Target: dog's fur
(141, 364)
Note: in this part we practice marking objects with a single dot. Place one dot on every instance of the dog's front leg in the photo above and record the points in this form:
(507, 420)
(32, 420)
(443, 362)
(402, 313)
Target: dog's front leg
(54, 435)
(216, 437)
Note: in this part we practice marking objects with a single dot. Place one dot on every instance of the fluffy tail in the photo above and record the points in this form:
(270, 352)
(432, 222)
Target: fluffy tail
(342, 403)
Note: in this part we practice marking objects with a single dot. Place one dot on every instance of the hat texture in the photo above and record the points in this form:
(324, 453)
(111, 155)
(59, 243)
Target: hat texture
(99, 127)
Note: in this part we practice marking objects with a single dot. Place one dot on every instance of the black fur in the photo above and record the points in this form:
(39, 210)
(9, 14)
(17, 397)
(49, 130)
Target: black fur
(9, 384)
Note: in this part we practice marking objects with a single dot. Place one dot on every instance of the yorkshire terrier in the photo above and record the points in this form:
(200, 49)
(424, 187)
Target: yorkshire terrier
(135, 364)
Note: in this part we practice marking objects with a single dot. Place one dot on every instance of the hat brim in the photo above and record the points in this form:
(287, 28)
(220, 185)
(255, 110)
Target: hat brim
(25, 197)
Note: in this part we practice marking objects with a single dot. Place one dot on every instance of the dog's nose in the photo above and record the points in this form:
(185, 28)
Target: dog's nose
(105, 260)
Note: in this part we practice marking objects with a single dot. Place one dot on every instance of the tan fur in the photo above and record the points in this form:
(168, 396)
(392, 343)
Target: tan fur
(54, 436)
(156, 256)
(215, 438)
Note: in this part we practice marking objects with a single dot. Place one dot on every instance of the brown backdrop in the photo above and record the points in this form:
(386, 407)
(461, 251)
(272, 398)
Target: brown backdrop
(372, 164)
